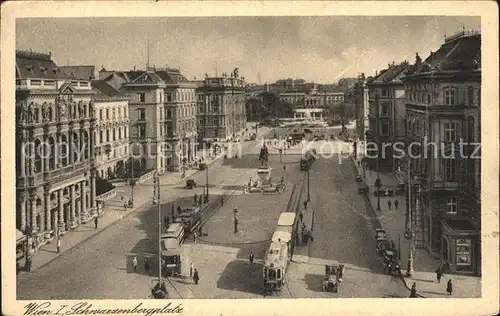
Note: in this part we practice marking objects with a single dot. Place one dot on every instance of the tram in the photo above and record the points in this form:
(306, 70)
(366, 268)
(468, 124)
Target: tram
(280, 252)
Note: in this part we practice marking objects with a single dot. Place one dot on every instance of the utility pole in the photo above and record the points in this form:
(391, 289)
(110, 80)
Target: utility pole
(378, 183)
(132, 183)
(206, 173)
(410, 234)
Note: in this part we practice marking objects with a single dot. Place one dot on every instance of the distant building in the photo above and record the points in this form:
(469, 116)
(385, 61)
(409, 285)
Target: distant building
(221, 107)
(111, 134)
(443, 107)
(55, 167)
(388, 111)
(84, 72)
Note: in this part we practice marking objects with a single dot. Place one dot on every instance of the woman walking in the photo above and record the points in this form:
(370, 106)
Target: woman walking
(449, 287)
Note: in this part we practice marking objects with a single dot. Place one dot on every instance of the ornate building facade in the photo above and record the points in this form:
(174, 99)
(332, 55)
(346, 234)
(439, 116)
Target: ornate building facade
(111, 130)
(443, 110)
(221, 107)
(55, 169)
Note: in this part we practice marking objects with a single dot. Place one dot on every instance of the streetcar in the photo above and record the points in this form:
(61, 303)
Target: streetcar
(275, 266)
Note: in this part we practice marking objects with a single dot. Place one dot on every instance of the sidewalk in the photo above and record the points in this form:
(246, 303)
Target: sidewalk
(393, 221)
(113, 213)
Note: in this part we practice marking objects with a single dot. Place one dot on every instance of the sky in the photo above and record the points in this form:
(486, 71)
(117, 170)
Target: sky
(318, 49)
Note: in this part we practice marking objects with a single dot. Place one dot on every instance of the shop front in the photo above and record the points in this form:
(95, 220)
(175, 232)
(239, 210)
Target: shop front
(461, 246)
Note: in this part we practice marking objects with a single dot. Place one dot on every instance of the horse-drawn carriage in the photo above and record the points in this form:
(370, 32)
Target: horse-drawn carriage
(333, 278)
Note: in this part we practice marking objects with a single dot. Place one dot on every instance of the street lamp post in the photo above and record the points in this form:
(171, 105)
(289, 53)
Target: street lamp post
(308, 185)
(206, 180)
(410, 234)
(132, 184)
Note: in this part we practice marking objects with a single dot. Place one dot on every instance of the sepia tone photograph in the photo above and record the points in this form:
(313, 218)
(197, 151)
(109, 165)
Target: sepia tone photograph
(176, 158)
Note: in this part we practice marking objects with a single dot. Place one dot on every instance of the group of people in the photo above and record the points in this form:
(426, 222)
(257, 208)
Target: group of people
(449, 288)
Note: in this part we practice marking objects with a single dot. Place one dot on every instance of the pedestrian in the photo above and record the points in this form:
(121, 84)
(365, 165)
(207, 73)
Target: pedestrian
(301, 215)
(200, 201)
(305, 204)
(95, 222)
(250, 257)
(122, 197)
(449, 287)
(284, 167)
(221, 201)
(439, 274)
(413, 291)
(58, 244)
(146, 265)
(196, 276)
(191, 270)
(235, 225)
(134, 264)
(125, 206)
(27, 265)
(396, 204)
(389, 203)
(179, 209)
(195, 237)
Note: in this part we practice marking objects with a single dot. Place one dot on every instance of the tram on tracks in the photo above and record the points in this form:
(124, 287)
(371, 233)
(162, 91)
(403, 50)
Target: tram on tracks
(280, 253)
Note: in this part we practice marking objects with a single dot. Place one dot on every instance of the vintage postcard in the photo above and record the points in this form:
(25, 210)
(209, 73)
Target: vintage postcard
(249, 158)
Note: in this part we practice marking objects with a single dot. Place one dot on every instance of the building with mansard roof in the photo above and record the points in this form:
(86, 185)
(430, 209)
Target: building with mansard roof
(83, 72)
(443, 110)
(55, 169)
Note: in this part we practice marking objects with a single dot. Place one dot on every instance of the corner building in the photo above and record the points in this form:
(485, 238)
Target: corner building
(443, 107)
(55, 172)
(221, 108)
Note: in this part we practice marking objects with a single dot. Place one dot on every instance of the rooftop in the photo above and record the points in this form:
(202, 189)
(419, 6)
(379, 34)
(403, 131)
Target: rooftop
(460, 224)
(84, 72)
(37, 65)
(104, 89)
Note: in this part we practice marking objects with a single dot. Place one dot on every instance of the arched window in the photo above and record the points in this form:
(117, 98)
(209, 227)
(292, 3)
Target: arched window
(84, 145)
(75, 148)
(52, 156)
(38, 156)
(470, 96)
(64, 150)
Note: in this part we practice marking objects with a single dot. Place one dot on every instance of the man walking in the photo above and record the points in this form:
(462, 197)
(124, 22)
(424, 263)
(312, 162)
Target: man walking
(134, 264)
(396, 204)
(413, 291)
(95, 222)
(250, 257)
(305, 204)
(439, 274)
(389, 204)
(284, 167)
(196, 276)
(235, 225)
(301, 216)
(191, 270)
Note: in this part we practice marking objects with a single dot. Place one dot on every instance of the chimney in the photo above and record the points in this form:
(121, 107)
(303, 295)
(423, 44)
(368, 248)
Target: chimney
(134, 67)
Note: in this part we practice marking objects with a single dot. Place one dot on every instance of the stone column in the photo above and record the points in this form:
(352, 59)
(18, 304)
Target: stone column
(22, 197)
(92, 190)
(48, 225)
(60, 210)
(72, 210)
(45, 160)
(23, 159)
(33, 213)
(83, 209)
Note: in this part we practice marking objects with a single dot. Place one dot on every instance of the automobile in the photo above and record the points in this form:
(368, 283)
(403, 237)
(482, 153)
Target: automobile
(384, 191)
(190, 184)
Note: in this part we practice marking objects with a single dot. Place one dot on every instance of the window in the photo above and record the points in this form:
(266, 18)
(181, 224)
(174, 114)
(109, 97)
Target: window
(386, 128)
(450, 96)
(200, 121)
(216, 121)
(449, 168)
(450, 132)
(119, 112)
(113, 113)
(451, 206)
(428, 99)
(107, 114)
(100, 136)
(125, 114)
(170, 130)
(142, 97)
(141, 114)
(470, 96)
(161, 97)
(384, 92)
(169, 113)
(386, 109)
(141, 130)
(169, 97)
